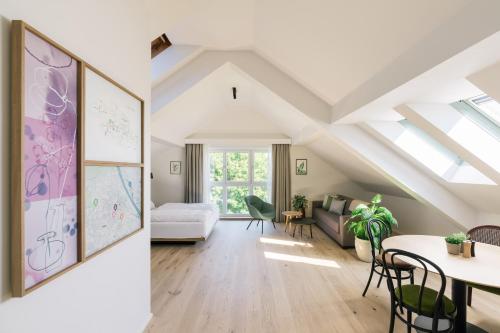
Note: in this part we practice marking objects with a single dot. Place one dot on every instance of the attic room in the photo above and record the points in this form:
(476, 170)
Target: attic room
(250, 166)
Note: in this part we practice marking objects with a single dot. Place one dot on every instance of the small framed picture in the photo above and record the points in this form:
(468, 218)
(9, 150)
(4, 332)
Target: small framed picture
(175, 167)
(301, 167)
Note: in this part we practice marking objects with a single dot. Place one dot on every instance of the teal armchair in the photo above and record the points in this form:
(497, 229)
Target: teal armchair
(260, 210)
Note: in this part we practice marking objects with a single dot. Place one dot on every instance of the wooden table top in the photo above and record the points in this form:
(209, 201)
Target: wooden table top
(292, 213)
(482, 269)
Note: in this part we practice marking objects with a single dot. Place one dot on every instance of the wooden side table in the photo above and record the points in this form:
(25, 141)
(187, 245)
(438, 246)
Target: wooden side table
(289, 215)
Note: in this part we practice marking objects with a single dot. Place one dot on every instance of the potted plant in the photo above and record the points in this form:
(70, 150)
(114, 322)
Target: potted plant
(358, 223)
(299, 203)
(454, 242)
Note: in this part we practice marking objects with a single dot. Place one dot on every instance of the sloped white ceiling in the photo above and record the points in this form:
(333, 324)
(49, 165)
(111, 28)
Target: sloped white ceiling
(214, 24)
(330, 46)
(209, 107)
(334, 46)
(360, 59)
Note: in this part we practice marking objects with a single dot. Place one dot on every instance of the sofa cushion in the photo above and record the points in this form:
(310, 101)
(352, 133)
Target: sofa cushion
(327, 201)
(337, 206)
(325, 217)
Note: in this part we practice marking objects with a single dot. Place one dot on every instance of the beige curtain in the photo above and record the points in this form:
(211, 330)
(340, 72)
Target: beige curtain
(281, 180)
(194, 173)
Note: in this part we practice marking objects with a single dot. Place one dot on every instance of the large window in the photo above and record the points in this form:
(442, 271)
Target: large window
(236, 173)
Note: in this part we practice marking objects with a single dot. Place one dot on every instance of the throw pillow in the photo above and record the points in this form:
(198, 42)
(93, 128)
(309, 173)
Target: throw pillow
(337, 206)
(327, 201)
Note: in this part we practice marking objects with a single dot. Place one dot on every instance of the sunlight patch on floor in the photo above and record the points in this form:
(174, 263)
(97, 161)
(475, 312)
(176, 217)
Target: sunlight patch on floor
(301, 259)
(275, 241)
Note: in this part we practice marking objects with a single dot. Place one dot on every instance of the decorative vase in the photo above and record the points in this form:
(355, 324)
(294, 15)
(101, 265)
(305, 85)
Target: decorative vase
(363, 249)
(453, 248)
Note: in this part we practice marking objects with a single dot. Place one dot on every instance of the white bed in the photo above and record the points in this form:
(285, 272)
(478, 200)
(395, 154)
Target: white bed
(183, 222)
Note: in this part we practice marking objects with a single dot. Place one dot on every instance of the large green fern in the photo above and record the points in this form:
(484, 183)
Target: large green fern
(362, 214)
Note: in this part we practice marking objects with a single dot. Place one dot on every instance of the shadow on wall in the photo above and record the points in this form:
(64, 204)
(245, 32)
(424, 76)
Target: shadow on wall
(5, 159)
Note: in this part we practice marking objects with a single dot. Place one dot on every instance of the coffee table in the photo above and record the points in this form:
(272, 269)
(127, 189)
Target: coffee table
(289, 215)
(302, 222)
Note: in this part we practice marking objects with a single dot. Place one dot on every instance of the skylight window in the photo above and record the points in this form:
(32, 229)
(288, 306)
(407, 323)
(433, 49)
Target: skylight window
(427, 150)
(159, 45)
(488, 107)
(430, 153)
(484, 111)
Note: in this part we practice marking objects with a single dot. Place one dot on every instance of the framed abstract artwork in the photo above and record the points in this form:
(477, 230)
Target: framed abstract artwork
(175, 167)
(111, 215)
(113, 120)
(45, 159)
(74, 192)
(113, 173)
(301, 167)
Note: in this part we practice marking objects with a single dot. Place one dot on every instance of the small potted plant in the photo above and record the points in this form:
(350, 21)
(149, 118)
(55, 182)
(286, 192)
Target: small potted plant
(454, 242)
(358, 223)
(299, 203)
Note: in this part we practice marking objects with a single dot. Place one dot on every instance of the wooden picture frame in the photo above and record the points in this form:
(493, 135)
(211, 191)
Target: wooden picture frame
(175, 167)
(24, 133)
(36, 110)
(301, 167)
(104, 164)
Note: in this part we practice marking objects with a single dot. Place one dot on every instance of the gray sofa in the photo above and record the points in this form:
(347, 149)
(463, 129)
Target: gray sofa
(333, 224)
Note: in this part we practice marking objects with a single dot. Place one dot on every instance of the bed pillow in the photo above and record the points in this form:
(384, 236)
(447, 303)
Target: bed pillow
(152, 205)
(327, 201)
(337, 206)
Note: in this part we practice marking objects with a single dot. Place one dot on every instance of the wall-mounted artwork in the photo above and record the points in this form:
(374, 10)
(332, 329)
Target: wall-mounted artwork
(45, 159)
(66, 206)
(113, 205)
(175, 167)
(301, 167)
(113, 121)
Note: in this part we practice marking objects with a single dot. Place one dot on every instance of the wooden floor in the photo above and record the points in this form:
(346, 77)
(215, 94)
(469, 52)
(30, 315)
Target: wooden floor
(242, 281)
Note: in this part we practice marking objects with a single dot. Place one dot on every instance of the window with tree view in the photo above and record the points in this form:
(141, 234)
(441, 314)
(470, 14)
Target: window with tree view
(234, 174)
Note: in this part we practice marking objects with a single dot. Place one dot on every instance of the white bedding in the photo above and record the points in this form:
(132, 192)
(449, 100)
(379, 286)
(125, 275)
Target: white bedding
(183, 221)
(170, 206)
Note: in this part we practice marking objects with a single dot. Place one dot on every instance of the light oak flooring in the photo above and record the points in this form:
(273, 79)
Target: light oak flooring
(242, 281)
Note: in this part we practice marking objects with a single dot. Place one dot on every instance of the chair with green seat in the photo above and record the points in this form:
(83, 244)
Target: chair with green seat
(489, 234)
(260, 210)
(377, 232)
(417, 298)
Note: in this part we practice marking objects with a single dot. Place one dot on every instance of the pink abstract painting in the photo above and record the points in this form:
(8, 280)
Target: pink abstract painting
(50, 160)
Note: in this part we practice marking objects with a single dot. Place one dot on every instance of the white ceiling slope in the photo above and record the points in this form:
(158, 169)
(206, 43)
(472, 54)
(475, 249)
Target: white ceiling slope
(330, 46)
(252, 64)
(302, 69)
(208, 107)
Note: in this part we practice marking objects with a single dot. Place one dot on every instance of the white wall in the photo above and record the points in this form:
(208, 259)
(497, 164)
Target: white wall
(417, 218)
(111, 292)
(321, 178)
(164, 186)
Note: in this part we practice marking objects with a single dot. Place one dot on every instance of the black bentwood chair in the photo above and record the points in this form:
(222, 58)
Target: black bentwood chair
(489, 234)
(376, 233)
(417, 298)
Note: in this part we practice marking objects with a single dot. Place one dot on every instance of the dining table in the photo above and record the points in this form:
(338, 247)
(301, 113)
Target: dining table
(483, 268)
